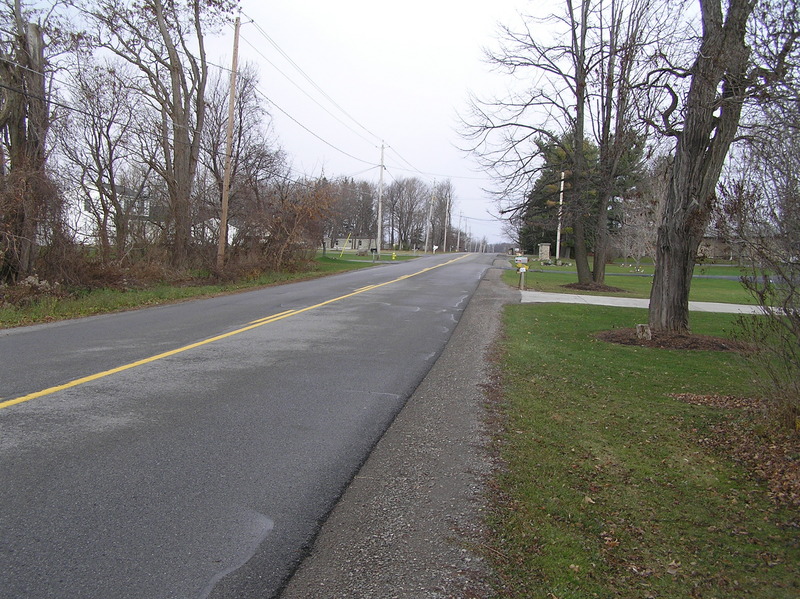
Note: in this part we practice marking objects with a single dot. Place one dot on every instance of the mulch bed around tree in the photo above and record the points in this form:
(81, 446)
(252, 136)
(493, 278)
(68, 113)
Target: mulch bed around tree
(665, 340)
(594, 287)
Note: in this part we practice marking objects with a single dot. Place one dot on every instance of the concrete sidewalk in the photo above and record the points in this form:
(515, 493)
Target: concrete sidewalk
(626, 302)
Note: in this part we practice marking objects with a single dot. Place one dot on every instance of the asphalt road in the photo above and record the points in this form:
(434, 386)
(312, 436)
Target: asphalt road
(193, 450)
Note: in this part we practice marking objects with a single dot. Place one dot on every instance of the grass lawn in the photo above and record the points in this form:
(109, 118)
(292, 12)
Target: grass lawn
(605, 488)
(386, 255)
(553, 279)
(100, 301)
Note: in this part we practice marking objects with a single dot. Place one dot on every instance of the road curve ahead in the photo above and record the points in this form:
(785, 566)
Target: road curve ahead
(192, 450)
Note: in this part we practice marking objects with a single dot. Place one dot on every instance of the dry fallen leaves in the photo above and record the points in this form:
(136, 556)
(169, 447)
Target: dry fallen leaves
(774, 461)
(673, 567)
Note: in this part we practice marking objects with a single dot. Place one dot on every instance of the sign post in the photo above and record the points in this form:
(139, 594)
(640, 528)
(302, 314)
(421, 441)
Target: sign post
(521, 264)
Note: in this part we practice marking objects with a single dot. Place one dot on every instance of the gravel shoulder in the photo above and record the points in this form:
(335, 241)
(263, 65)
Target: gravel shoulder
(409, 523)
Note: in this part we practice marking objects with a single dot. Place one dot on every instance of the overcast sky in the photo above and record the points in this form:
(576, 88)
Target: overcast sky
(401, 70)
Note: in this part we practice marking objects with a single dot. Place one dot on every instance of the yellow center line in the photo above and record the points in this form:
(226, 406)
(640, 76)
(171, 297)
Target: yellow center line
(252, 325)
(269, 318)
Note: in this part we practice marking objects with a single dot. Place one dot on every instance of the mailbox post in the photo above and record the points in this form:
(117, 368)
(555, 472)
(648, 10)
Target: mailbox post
(522, 268)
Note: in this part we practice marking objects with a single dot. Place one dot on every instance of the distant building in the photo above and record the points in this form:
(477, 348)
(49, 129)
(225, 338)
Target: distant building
(354, 243)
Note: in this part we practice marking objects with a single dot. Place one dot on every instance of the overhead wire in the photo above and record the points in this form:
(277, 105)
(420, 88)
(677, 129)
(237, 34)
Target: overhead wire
(308, 78)
(69, 85)
(324, 94)
(90, 115)
(372, 165)
(83, 112)
(438, 175)
(309, 96)
(320, 138)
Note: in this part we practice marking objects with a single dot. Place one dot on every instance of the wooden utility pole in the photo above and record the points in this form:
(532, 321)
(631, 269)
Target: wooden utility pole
(458, 238)
(560, 217)
(226, 177)
(380, 206)
(430, 212)
(446, 222)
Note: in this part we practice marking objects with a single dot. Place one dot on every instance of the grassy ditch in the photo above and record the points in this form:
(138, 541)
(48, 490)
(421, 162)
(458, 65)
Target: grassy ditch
(606, 488)
(77, 303)
(386, 255)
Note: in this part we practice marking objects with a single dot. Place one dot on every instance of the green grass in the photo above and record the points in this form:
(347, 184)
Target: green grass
(551, 279)
(386, 255)
(101, 301)
(606, 490)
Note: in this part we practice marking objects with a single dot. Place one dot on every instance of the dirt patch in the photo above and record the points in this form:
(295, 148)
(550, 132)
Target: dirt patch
(594, 287)
(665, 340)
(773, 456)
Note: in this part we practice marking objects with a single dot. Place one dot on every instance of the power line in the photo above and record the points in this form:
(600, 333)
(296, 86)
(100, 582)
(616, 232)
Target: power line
(325, 141)
(286, 113)
(325, 95)
(73, 86)
(27, 94)
(438, 175)
(413, 168)
(308, 78)
(53, 102)
(372, 168)
(483, 220)
(309, 96)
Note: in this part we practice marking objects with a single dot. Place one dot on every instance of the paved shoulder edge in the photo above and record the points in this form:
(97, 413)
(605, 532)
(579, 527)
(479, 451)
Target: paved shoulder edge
(402, 529)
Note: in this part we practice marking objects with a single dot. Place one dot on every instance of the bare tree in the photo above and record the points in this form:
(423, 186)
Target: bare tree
(353, 209)
(761, 215)
(254, 158)
(507, 131)
(164, 40)
(24, 122)
(441, 211)
(583, 76)
(407, 199)
(641, 211)
(294, 219)
(97, 145)
(723, 75)
(623, 38)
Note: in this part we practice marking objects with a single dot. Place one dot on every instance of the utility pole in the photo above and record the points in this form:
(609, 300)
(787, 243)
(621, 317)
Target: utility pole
(446, 221)
(380, 206)
(430, 212)
(560, 212)
(226, 177)
(458, 238)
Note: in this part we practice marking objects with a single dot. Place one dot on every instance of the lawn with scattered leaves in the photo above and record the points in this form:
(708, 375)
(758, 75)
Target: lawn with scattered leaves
(605, 487)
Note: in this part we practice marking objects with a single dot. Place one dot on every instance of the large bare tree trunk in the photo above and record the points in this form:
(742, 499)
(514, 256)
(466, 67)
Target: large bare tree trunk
(166, 45)
(617, 135)
(710, 125)
(579, 32)
(25, 117)
(186, 135)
